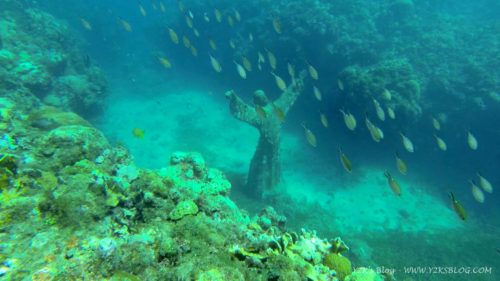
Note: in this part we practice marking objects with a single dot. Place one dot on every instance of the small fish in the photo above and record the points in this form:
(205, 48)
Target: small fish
(126, 26)
(277, 25)
(391, 113)
(291, 70)
(189, 21)
(408, 145)
(162, 7)
(260, 112)
(196, 32)
(477, 193)
(181, 6)
(230, 21)
(279, 82)
(349, 120)
(186, 41)
(376, 133)
(485, 184)
(218, 15)
(324, 120)
(317, 93)
(212, 44)
(85, 24)
(142, 10)
(459, 209)
(401, 165)
(471, 141)
(279, 113)
(311, 138)
(346, 163)
(393, 184)
(215, 64)
(340, 84)
(378, 109)
(206, 17)
(194, 51)
(138, 133)
(165, 62)
(435, 123)
(386, 95)
(313, 72)
(173, 36)
(272, 59)
(246, 63)
(237, 15)
(241, 70)
(260, 58)
(440, 143)
(250, 37)
(190, 14)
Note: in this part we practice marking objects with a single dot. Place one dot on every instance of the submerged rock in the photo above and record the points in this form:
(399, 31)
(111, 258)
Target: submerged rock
(182, 209)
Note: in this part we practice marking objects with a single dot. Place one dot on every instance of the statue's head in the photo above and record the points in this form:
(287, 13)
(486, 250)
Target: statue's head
(260, 98)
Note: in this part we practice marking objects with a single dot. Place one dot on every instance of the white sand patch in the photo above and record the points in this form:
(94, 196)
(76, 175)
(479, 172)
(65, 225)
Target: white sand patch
(189, 121)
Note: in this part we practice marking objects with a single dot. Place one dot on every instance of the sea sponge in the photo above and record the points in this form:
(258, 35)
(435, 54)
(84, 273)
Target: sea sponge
(340, 264)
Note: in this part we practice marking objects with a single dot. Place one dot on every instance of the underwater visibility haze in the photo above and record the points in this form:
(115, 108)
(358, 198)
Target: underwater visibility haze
(352, 140)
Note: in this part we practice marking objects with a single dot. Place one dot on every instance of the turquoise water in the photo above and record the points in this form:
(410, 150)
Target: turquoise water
(438, 60)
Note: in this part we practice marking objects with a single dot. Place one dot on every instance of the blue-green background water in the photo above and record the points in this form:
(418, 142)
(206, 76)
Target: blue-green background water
(453, 48)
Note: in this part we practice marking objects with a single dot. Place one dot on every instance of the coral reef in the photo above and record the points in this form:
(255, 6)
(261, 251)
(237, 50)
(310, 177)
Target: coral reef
(266, 116)
(74, 207)
(39, 55)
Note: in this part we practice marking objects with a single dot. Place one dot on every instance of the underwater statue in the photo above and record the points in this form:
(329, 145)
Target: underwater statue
(268, 117)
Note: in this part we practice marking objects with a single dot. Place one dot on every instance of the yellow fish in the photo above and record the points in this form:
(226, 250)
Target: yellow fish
(440, 143)
(291, 70)
(162, 7)
(241, 70)
(340, 84)
(349, 120)
(165, 62)
(459, 209)
(138, 133)
(218, 15)
(346, 163)
(194, 51)
(230, 21)
(324, 120)
(85, 24)
(435, 123)
(401, 165)
(393, 184)
(311, 138)
(186, 41)
(126, 25)
(237, 15)
(317, 93)
(212, 44)
(142, 10)
(272, 59)
(246, 63)
(279, 82)
(471, 141)
(277, 25)
(485, 184)
(189, 22)
(215, 64)
(173, 36)
(312, 72)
